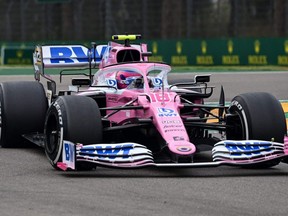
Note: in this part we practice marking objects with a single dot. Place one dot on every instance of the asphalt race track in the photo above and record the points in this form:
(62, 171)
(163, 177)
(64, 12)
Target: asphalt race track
(30, 186)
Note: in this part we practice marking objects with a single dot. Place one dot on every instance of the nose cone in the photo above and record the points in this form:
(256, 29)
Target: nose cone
(182, 147)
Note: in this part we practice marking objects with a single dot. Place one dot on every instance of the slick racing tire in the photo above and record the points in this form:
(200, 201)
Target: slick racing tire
(256, 116)
(23, 107)
(73, 118)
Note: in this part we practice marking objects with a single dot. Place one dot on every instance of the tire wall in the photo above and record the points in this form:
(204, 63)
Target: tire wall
(262, 115)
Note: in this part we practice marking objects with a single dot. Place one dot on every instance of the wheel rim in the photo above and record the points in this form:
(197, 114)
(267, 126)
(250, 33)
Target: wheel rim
(52, 135)
(239, 128)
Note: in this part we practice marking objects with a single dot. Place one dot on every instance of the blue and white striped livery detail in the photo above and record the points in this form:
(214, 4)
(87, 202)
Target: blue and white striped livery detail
(126, 155)
(245, 150)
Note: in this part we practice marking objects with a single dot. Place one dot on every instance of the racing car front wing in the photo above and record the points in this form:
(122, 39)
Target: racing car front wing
(134, 155)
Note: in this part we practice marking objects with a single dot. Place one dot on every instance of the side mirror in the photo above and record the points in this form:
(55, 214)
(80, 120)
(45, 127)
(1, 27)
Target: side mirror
(146, 54)
(202, 78)
(81, 82)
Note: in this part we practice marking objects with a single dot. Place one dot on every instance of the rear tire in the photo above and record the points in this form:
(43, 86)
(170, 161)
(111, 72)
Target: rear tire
(257, 116)
(72, 118)
(23, 107)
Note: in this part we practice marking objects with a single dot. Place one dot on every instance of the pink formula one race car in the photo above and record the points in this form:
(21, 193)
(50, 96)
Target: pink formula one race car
(121, 111)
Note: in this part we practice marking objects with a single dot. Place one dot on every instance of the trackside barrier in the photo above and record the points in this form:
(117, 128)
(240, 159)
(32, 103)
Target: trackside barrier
(221, 52)
(15, 55)
(188, 52)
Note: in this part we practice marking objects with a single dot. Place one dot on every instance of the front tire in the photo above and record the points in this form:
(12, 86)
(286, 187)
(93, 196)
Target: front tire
(72, 118)
(256, 116)
(259, 115)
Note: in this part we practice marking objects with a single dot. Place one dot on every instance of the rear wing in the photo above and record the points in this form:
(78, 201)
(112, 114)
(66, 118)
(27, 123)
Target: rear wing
(75, 57)
(66, 56)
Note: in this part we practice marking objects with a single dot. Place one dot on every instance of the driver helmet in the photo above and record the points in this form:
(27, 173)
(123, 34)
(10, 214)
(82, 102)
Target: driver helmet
(125, 78)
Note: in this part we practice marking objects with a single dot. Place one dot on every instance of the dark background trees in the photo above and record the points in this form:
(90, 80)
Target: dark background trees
(81, 20)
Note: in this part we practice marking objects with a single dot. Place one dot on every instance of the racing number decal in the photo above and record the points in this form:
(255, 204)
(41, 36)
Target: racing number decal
(159, 97)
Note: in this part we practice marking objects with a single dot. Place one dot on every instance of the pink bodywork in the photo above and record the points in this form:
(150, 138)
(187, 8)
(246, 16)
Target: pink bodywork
(286, 145)
(159, 103)
(154, 101)
(110, 56)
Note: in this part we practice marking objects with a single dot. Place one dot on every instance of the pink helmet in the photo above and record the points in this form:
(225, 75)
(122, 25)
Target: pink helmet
(125, 77)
